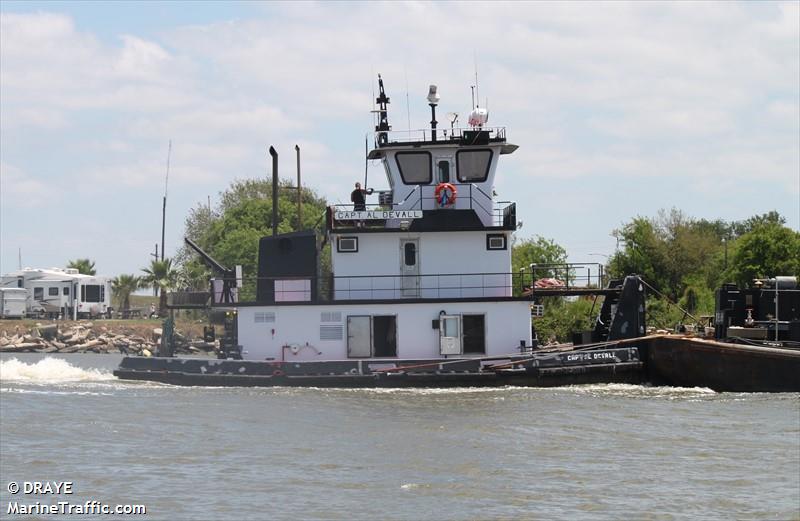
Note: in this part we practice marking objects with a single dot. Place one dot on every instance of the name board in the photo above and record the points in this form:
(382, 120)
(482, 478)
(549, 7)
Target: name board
(377, 214)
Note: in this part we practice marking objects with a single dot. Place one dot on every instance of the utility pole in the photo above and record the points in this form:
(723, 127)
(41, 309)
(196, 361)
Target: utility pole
(164, 206)
(155, 257)
(299, 192)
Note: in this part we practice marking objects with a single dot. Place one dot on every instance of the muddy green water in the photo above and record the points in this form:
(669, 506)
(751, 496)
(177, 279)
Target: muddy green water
(579, 453)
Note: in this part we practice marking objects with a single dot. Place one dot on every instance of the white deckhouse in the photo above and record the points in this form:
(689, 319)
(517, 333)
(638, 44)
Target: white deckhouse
(423, 274)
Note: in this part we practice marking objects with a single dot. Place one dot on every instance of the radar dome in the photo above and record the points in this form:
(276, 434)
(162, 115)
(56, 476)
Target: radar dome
(478, 117)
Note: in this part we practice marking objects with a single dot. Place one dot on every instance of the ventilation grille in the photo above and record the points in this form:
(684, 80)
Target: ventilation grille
(264, 317)
(331, 316)
(331, 332)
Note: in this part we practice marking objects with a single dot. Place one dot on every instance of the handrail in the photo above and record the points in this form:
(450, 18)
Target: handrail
(478, 188)
(424, 286)
(496, 214)
(448, 134)
(417, 187)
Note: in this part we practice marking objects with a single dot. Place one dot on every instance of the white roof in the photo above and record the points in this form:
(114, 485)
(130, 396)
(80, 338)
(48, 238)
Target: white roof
(50, 274)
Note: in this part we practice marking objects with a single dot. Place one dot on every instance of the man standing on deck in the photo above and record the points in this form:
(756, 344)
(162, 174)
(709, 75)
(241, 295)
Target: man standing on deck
(357, 197)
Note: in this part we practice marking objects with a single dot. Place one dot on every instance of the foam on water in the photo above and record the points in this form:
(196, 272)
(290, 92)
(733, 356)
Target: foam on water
(644, 391)
(595, 390)
(49, 371)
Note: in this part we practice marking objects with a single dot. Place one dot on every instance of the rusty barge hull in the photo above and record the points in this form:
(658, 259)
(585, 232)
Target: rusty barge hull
(723, 367)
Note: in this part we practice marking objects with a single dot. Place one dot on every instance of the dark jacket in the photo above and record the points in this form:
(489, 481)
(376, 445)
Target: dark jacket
(357, 197)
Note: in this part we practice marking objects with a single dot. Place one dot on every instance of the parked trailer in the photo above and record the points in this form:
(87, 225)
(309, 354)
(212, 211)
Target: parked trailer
(61, 292)
(13, 302)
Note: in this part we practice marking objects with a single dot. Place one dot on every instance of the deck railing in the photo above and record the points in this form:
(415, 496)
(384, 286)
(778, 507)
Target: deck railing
(422, 197)
(444, 134)
(424, 286)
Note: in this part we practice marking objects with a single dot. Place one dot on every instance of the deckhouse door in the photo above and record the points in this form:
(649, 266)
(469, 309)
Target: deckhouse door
(359, 336)
(450, 335)
(409, 267)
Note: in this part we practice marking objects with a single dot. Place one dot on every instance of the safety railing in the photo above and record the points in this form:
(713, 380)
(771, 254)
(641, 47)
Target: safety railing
(423, 198)
(443, 134)
(376, 287)
(566, 275)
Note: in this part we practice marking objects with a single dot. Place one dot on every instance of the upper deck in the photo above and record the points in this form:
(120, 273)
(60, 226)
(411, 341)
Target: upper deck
(440, 179)
(443, 137)
(434, 185)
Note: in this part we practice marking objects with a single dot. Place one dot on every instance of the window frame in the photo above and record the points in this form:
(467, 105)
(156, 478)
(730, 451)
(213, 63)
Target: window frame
(490, 236)
(488, 165)
(439, 177)
(414, 152)
(339, 244)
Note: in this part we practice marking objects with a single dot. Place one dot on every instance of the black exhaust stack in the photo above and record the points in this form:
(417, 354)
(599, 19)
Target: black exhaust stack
(274, 155)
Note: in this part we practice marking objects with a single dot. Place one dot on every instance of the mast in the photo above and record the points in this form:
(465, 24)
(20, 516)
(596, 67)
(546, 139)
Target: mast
(383, 123)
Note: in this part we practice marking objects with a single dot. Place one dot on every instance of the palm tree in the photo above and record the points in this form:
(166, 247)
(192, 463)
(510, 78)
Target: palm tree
(122, 287)
(193, 276)
(161, 275)
(84, 266)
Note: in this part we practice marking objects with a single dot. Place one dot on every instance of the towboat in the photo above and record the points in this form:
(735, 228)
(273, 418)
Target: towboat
(420, 290)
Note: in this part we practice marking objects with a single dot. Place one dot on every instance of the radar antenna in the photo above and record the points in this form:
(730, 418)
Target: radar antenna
(383, 127)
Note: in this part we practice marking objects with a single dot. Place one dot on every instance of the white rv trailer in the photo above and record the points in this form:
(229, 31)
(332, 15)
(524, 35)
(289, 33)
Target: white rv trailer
(12, 302)
(61, 291)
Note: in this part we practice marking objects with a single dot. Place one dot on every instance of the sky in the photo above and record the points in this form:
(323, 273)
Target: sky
(619, 110)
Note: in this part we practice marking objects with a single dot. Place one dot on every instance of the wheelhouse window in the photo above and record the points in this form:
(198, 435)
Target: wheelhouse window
(473, 165)
(415, 167)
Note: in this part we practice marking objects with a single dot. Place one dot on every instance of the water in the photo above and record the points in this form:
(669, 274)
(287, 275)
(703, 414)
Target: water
(588, 452)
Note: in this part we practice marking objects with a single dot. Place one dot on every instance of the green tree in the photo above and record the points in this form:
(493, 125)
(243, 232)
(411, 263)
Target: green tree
(231, 231)
(122, 286)
(193, 275)
(739, 228)
(537, 250)
(160, 274)
(84, 266)
(668, 250)
(564, 317)
(768, 250)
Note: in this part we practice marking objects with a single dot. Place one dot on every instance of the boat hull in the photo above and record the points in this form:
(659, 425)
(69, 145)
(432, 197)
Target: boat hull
(546, 370)
(723, 367)
(656, 360)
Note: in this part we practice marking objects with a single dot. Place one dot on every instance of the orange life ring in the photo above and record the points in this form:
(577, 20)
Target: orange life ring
(443, 200)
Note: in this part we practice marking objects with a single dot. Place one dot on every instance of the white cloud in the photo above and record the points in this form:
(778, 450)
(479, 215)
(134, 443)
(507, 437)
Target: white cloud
(21, 190)
(140, 58)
